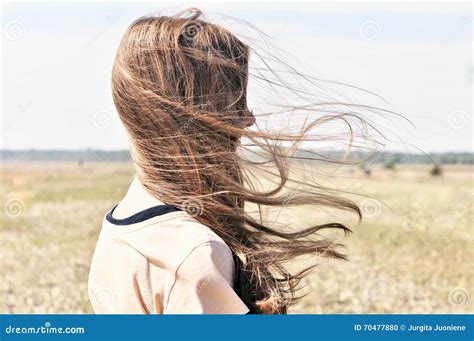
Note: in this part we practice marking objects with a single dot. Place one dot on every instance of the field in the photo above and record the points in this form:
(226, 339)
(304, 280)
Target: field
(410, 254)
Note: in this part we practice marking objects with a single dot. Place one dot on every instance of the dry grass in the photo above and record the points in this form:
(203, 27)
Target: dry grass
(410, 255)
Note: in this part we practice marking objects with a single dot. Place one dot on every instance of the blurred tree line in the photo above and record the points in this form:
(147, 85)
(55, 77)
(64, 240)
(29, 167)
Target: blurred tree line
(389, 159)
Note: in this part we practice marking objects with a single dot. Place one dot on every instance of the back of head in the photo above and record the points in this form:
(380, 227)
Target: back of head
(181, 66)
(179, 85)
(180, 88)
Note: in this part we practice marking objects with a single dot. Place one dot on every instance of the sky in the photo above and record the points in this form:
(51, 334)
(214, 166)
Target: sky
(57, 60)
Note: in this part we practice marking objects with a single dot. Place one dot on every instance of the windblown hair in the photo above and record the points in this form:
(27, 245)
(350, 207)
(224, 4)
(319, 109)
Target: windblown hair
(180, 87)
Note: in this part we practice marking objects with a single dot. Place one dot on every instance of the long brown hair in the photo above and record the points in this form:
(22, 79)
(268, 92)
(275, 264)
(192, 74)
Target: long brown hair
(180, 87)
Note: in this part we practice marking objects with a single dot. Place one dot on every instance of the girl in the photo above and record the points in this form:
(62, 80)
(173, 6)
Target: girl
(181, 241)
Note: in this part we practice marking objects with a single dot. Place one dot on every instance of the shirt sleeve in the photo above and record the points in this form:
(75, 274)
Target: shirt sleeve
(203, 283)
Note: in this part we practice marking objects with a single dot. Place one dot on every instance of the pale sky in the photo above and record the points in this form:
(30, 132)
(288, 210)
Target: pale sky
(57, 59)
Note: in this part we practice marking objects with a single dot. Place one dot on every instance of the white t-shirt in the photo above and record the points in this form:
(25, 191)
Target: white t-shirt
(160, 264)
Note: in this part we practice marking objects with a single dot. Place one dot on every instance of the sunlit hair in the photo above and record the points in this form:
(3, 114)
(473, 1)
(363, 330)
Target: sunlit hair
(180, 88)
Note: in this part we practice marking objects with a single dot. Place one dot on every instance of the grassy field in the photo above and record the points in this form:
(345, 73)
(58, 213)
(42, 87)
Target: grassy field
(410, 254)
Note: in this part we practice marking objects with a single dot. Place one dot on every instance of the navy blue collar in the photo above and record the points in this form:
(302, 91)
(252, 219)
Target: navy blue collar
(142, 215)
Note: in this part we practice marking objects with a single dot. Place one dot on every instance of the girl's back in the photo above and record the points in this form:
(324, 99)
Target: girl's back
(160, 260)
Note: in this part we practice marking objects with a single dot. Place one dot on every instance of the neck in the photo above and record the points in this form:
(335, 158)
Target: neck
(137, 199)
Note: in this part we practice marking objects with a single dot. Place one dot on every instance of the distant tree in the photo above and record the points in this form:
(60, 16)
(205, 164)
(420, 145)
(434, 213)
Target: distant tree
(390, 165)
(436, 170)
(365, 168)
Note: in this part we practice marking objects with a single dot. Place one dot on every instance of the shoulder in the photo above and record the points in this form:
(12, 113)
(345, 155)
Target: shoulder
(203, 283)
(207, 259)
(207, 253)
(172, 241)
(194, 241)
